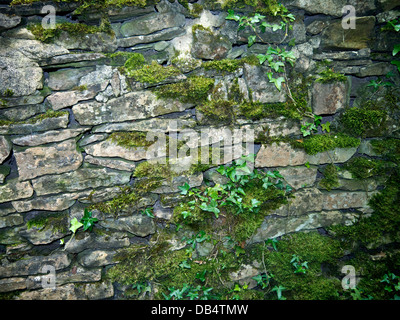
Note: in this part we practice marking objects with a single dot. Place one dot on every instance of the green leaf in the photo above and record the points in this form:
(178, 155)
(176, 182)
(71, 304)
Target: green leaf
(75, 225)
(396, 63)
(262, 58)
(251, 40)
(186, 214)
(184, 189)
(232, 16)
(396, 49)
(278, 82)
(326, 127)
(185, 265)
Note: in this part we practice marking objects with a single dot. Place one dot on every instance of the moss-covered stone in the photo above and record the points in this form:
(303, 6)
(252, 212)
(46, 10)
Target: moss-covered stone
(153, 73)
(331, 178)
(324, 142)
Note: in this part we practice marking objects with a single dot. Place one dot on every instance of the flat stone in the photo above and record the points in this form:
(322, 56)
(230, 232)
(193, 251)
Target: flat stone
(37, 139)
(56, 158)
(12, 284)
(99, 291)
(70, 58)
(329, 98)
(262, 90)
(151, 23)
(8, 22)
(66, 292)
(84, 178)
(22, 113)
(111, 163)
(96, 258)
(53, 203)
(5, 149)
(172, 186)
(283, 155)
(46, 124)
(299, 177)
(97, 42)
(155, 124)
(111, 149)
(136, 224)
(335, 37)
(15, 190)
(60, 100)
(33, 265)
(375, 69)
(210, 46)
(166, 34)
(92, 138)
(11, 220)
(66, 79)
(28, 100)
(132, 106)
(108, 240)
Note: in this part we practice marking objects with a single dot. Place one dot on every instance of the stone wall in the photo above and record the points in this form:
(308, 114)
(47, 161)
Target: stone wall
(67, 103)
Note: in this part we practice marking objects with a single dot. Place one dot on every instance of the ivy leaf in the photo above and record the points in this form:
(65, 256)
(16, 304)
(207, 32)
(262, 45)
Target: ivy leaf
(184, 189)
(75, 225)
(326, 127)
(396, 63)
(278, 82)
(185, 265)
(251, 40)
(232, 16)
(186, 214)
(262, 58)
(396, 49)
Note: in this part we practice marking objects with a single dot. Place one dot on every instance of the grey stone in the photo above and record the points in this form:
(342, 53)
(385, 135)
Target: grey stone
(96, 258)
(51, 136)
(52, 203)
(46, 124)
(136, 224)
(154, 124)
(5, 149)
(366, 148)
(110, 149)
(91, 138)
(66, 79)
(162, 212)
(166, 34)
(33, 265)
(99, 291)
(71, 59)
(335, 37)
(208, 45)
(83, 178)
(97, 42)
(15, 190)
(375, 69)
(300, 176)
(317, 26)
(60, 100)
(66, 292)
(12, 284)
(22, 113)
(8, 22)
(151, 23)
(11, 220)
(132, 106)
(14, 101)
(56, 158)
(329, 98)
(262, 90)
(244, 276)
(4, 172)
(111, 163)
(105, 241)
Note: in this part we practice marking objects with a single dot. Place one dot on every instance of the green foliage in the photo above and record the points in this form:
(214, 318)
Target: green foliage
(300, 267)
(331, 179)
(325, 142)
(188, 292)
(88, 221)
(75, 225)
(148, 212)
(130, 139)
(363, 168)
(38, 118)
(367, 121)
(193, 90)
(153, 73)
(329, 76)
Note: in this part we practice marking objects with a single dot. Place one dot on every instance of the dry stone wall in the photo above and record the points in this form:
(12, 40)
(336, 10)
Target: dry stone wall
(63, 101)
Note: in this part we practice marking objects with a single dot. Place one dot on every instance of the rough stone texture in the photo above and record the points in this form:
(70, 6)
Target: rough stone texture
(137, 225)
(207, 45)
(132, 106)
(12, 284)
(262, 90)
(11, 220)
(15, 190)
(37, 139)
(8, 22)
(81, 179)
(151, 23)
(335, 37)
(283, 155)
(5, 149)
(96, 258)
(111, 163)
(56, 158)
(329, 98)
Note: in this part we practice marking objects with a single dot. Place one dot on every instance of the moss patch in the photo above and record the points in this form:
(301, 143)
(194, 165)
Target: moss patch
(130, 139)
(325, 142)
(153, 73)
(331, 179)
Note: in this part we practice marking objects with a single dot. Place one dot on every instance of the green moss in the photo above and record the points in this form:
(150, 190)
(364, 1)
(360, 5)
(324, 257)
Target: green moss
(153, 73)
(228, 65)
(193, 90)
(329, 76)
(218, 111)
(130, 139)
(331, 178)
(325, 142)
(363, 168)
(5, 170)
(200, 27)
(57, 222)
(267, 7)
(388, 148)
(128, 198)
(49, 114)
(368, 121)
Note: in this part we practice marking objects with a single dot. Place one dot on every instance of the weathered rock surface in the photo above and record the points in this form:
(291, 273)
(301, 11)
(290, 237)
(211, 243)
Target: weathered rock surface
(132, 106)
(5, 149)
(81, 179)
(207, 45)
(15, 190)
(329, 98)
(56, 158)
(137, 225)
